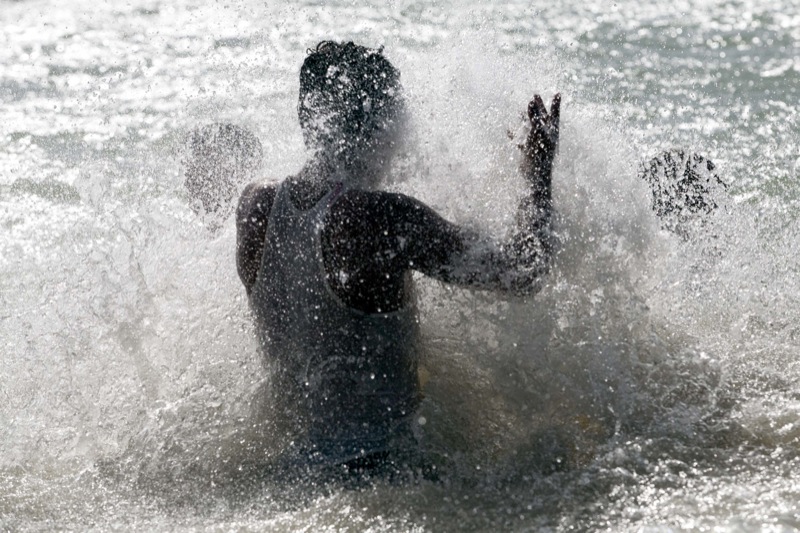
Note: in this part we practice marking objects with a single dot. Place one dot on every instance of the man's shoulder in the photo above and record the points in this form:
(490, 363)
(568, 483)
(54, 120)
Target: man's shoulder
(381, 201)
(257, 198)
(387, 213)
(258, 191)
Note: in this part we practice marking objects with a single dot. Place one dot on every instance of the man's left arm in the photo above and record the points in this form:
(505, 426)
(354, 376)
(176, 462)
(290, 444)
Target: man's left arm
(252, 217)
(455, 255)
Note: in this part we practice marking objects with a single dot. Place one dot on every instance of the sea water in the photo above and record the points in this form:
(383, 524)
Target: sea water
(651, 385)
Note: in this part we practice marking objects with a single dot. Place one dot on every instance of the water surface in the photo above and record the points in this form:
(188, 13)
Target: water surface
(653, 384)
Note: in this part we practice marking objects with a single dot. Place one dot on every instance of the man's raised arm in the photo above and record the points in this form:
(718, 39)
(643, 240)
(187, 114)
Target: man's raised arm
(516, 266)
(532, 241)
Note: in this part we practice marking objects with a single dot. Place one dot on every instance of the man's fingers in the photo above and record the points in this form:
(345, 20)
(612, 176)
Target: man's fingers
(533, 113)
(555, 110)
(536, 109)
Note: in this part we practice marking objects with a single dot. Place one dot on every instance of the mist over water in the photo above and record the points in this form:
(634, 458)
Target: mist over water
(653, 382)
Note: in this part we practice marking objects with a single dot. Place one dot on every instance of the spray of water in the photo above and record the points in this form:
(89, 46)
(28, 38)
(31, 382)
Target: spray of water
(131, 361)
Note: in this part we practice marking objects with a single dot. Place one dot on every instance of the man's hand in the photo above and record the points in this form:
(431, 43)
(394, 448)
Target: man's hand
(533, 242)
(540, 146)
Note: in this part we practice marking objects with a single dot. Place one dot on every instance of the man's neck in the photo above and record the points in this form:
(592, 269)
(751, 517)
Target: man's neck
(347, 168)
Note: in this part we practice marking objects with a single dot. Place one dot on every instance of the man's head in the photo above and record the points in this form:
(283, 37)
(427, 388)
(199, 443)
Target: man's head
(350, 98)
(685, 189)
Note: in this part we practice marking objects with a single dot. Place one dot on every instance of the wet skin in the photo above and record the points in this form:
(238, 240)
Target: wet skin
(371, 240)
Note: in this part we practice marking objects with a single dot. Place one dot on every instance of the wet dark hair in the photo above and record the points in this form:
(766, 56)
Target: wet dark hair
(685, 188)
(347, 93)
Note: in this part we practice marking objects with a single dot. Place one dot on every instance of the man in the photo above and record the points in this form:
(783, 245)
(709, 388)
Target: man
(326, 258)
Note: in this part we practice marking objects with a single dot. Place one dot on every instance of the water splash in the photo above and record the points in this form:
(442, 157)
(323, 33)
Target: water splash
(643, 371)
